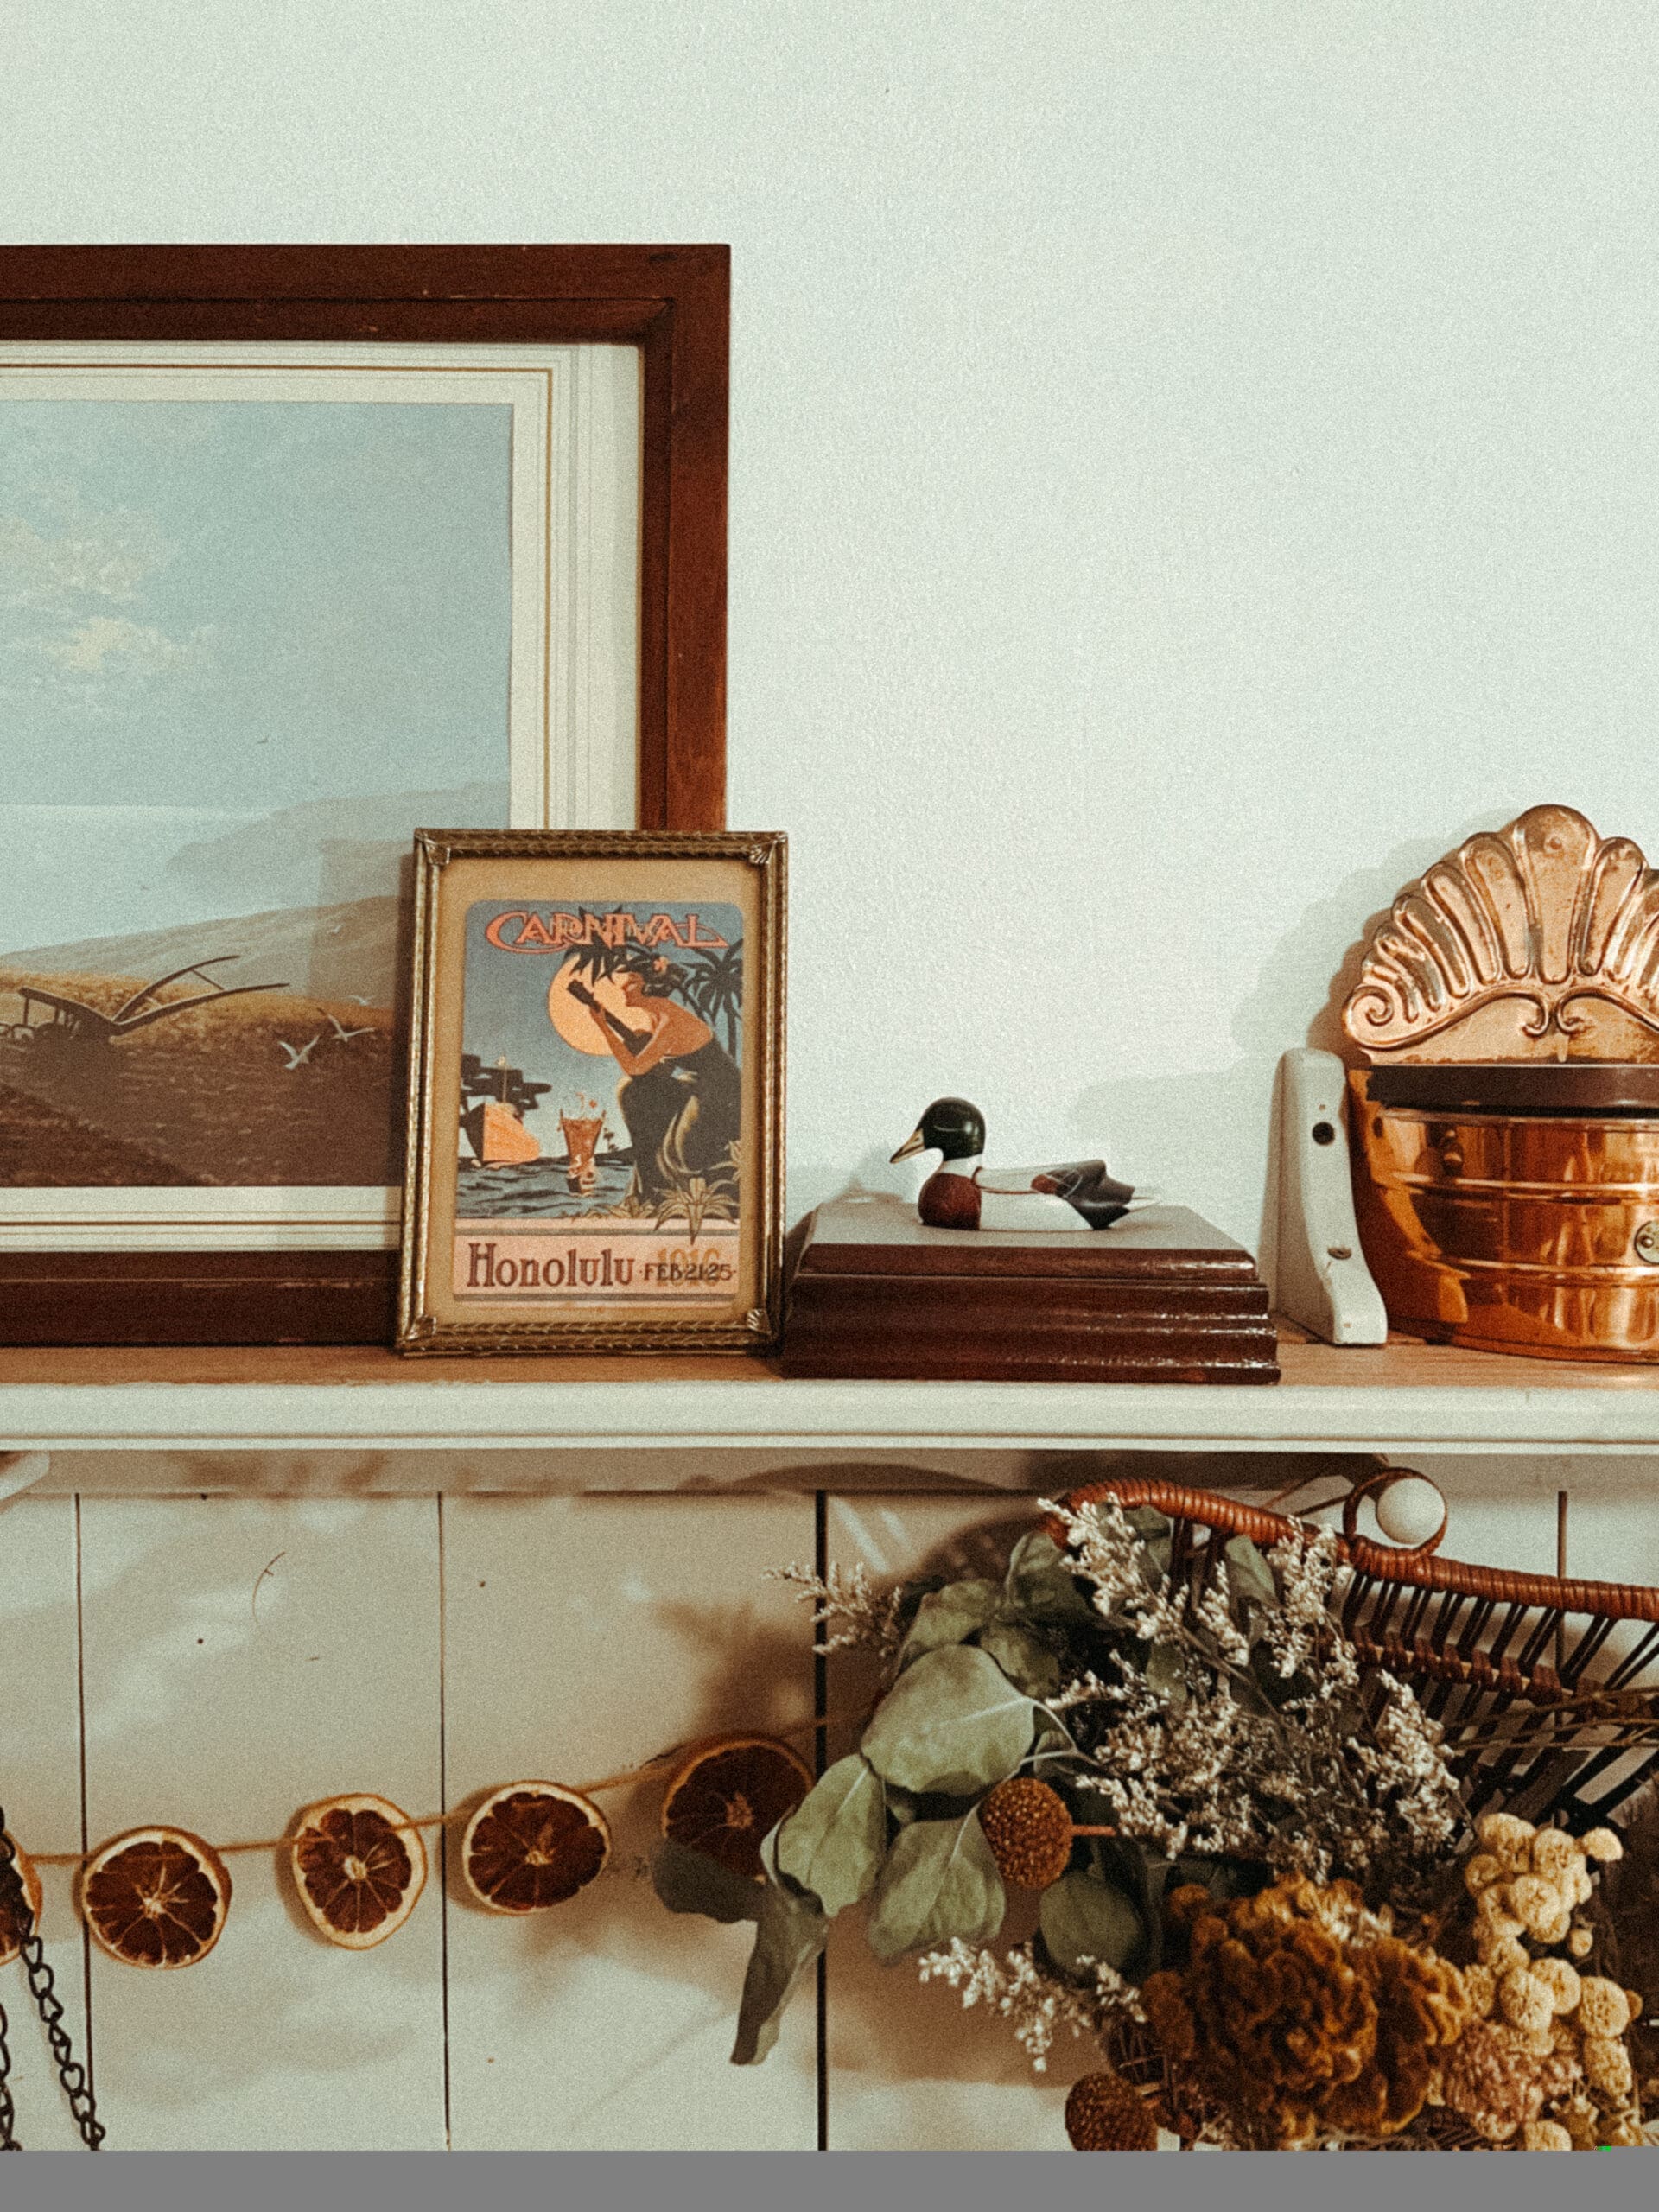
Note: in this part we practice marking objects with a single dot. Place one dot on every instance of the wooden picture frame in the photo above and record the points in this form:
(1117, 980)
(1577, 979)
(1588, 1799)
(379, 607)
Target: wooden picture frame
(544, 963)
(671, 305)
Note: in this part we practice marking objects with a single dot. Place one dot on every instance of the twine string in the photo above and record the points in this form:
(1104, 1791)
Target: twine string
(676, 1756)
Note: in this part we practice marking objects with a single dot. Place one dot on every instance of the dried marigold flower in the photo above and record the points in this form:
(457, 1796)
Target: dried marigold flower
(1581, 1941)
(1637, 2004)
(1607, 2065)
(1582, 1887)
(1502, 1953)
(1029, 1830)
(1535, 1903)
(1504, 1834)
(1602, 2008)
(1602, 1844)
(1553, 1853)
(1296, 2031)
(1526, 2002)
(1498, 2084)
(1481, 1872)
(1558, 1929)
(1545, 2135)
(1492, 1914)
(1481, 1985)
(1564, 1983)
(1102, 2112)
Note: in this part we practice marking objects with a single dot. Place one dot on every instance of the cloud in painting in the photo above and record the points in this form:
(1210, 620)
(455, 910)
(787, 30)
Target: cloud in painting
(90, 556)
(113, 645)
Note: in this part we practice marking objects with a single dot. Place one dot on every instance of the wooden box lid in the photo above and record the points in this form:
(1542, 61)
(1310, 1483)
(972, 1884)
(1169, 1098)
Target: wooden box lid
(878, 1233)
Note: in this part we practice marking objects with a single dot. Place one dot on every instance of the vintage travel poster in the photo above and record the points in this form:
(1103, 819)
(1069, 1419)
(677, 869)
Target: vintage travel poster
(599, 1114)
(596, 1092)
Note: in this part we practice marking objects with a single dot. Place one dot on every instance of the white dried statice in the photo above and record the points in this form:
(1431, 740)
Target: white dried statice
(844, 1603)
(1036, 2005)
(1107, 1551)
(1341, 1775)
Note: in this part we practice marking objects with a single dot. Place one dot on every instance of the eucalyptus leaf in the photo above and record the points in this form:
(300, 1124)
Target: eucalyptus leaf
(1041, 1586)
(790, 1933)
(1166, 1676)
(1153, 1528)
(1082, 1917)
(1024, 1658)
(1249, 1576)
(690, 1881)
(833, 1841)
(940, 1880)
(953, 1721)
(949, 1616)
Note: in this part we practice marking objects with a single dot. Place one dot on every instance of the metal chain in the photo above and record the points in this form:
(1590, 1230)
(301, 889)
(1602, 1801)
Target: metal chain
(14, 1903)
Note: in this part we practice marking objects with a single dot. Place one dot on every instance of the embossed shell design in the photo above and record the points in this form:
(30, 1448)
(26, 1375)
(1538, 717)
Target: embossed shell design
(1539, 941)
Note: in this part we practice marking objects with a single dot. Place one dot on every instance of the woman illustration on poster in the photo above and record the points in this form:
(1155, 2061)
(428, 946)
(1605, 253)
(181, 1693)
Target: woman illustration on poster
(681, 1093)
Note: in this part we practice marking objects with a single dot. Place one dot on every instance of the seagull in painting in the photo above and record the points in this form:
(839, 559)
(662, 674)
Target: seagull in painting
(299, 1054)
(344, 1034)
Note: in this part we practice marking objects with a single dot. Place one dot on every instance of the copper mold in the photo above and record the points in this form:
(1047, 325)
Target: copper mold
(1506, 1136)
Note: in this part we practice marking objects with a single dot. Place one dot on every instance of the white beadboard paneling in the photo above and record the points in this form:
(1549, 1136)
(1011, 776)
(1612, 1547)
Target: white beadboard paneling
(242, 1658)
(582, 1635)
(39, 1787)
(909, 2069)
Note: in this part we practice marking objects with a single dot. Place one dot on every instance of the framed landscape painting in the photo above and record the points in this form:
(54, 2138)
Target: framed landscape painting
(596, 1106)
(302, 549)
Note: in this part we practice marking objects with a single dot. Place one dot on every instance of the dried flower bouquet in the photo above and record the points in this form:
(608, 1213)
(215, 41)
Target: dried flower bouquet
(1260, 1889)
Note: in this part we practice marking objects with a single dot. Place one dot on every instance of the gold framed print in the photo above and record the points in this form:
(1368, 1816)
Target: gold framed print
(596, 1089)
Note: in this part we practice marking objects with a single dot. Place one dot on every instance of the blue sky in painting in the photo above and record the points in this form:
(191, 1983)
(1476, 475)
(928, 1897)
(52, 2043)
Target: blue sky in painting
(251, 605)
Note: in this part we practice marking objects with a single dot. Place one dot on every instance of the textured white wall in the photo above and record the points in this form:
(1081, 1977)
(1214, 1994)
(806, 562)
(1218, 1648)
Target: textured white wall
(1191, 462)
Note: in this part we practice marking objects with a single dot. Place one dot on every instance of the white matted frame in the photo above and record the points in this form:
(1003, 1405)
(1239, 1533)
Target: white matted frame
(572, 735)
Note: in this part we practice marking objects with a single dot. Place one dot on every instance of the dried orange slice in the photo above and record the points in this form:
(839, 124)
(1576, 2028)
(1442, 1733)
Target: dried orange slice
(358, 1867)
(730, 1794)
(10, 1935)
(531, 1845)
(156, 1897)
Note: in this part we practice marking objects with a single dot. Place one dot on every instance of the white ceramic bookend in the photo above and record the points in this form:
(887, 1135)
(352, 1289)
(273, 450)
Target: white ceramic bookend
(1322, 1281)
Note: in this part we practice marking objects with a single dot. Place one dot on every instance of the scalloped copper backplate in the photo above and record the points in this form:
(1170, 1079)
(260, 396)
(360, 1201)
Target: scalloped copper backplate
(1538, 942)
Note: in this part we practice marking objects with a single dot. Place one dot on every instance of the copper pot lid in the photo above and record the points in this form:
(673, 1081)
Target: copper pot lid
(1581, 1087)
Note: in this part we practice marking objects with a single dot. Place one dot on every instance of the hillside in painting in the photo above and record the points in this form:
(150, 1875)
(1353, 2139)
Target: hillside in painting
(294, 1085)
(348, 951)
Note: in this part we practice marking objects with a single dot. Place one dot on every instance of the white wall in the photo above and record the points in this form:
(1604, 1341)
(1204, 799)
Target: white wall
(1192, 463)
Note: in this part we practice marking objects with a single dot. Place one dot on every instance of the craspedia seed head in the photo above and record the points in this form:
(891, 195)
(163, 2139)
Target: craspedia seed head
(1102, 2112)
(1029, 1830)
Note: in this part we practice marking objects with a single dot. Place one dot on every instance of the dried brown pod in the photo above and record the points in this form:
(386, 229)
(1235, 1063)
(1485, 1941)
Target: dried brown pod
(1029, 1829)
(1103, 2113)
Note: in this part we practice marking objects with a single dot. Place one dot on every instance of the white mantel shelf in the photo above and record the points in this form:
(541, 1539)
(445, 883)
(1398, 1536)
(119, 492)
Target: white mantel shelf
(1401, 1398)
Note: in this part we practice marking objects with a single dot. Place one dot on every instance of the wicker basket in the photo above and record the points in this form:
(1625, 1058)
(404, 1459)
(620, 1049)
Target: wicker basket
(1568, 1727)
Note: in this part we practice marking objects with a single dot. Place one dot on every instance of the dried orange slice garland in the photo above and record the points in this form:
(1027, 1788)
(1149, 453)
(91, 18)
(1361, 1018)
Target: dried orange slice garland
(10, 1934)
(730, 1794)
(533, 1844)
(358, 1867)
(156, 1897)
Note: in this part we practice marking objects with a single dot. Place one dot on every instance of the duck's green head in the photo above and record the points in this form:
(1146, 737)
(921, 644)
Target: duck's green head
(950, 1126)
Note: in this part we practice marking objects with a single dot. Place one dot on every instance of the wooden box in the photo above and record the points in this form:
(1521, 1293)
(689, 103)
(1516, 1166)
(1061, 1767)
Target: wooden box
(1162, 1297)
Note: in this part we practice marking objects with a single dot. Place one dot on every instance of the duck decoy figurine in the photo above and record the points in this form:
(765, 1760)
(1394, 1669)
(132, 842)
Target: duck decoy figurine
(964, 1193)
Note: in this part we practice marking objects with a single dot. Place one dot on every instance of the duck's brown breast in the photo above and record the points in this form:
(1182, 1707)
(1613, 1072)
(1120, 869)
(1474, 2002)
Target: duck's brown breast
(949, 1201)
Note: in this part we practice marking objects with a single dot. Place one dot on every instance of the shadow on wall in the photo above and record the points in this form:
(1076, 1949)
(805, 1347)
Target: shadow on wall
(1203, 1136)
